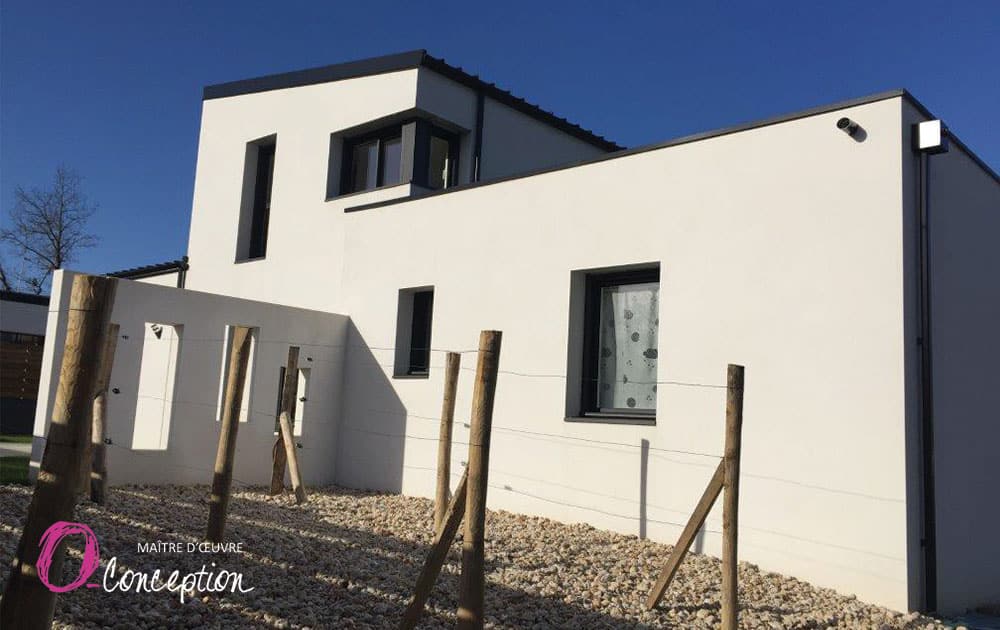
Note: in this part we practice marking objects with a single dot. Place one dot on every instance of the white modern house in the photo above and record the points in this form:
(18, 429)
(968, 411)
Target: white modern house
(380, 212)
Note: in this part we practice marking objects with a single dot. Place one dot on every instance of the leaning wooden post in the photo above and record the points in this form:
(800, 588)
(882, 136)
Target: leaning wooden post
(472, 585)
(695, 521)
(452, 362)
(239, 352)
(27, 603)
(293, 458)
(731, 498)
(98, 471)
(437, 554)
(289, 388)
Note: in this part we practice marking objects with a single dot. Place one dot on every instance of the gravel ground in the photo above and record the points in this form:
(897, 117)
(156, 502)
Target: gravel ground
(348, 559)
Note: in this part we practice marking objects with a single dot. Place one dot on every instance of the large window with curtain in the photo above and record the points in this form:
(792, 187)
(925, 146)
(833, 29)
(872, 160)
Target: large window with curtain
(621, 323)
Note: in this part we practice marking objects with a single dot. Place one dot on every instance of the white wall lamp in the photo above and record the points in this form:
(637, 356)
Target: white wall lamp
(931, 137)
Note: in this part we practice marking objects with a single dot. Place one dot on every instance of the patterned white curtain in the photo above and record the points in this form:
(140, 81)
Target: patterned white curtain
(630, 321)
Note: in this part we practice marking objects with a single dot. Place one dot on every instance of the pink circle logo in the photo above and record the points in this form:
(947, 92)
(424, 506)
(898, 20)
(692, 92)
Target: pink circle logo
(50, 541)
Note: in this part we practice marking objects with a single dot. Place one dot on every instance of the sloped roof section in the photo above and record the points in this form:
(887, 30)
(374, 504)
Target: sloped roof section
(148, 271)
(405, 61)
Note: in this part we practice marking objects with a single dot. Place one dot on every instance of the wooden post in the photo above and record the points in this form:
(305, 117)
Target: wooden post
(436, 556)
(293, 458)
(472, 584)
(453, 361)
(643, 486)
(289, 388)
(680, 549)
(239, 353)
(98, 473)
(731, 499)
(27, 603)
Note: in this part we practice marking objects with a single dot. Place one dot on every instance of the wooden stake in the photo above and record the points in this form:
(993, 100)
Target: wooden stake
(695, 521)
(472, 585)
(731, 500)
(436, 556)
(289, 389)
(98, 473)
(293, 458)
(27, 603)
(453, 361)
(222, 480)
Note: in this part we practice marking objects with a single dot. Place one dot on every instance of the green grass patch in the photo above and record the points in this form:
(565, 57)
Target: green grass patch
(14, 470)
(18, 439)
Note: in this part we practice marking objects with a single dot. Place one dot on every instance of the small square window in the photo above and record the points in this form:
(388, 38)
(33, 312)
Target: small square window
(413, 332)
(620, 348)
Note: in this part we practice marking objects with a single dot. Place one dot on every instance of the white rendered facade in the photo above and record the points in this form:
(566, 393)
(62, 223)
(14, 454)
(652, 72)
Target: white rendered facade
(786, 246)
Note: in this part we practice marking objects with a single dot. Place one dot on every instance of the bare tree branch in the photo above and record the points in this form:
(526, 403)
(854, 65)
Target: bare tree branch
(48, 228)
(5, 283)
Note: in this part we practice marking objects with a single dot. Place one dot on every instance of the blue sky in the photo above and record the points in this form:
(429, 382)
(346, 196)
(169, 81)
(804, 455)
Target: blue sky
(113, 89)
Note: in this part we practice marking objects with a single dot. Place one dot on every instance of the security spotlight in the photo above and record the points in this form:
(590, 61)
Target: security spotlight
(931, 137)
(848, 126)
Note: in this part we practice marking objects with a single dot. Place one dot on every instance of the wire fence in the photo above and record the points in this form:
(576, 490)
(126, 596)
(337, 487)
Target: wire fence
(266, 431)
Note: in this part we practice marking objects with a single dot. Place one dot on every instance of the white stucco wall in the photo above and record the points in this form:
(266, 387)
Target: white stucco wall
(192, 436)
(305, 232)
(964, 224)
(24, 318)
(781, 248)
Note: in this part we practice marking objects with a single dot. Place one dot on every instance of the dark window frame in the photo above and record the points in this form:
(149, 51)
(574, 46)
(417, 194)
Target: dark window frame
(380, 136)
(421, 327)
(595, 283)
(453, 141)
(415, 135)
(260, 210)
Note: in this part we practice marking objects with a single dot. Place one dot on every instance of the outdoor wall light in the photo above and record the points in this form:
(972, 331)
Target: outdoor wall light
(848, 126)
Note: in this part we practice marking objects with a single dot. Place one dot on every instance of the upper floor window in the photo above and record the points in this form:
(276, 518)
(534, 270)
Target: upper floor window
(415, 151)
(374, 160)
(255, 208)
(442, 159)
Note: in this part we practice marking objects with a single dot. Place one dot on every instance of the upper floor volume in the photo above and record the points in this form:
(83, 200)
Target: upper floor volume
(437, 128)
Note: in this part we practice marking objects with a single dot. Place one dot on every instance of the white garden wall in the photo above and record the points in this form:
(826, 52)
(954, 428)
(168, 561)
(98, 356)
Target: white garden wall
(163, 420)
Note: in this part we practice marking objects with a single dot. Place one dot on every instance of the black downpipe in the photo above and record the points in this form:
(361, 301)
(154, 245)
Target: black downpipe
(477, 149)
(929, 540)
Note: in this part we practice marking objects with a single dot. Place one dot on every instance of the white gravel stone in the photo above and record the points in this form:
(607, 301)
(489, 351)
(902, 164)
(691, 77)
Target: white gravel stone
(349, 559)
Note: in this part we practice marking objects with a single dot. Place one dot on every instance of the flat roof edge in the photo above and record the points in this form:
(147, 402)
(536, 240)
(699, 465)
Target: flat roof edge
(409, 60)
(705, 135)
(324, 74)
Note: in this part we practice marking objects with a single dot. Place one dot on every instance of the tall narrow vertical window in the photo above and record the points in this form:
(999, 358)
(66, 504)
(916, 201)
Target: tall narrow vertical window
(255, 208)
(413, 332)
(420, 332)
(442, 160)
(261, 200)
(621, 323)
